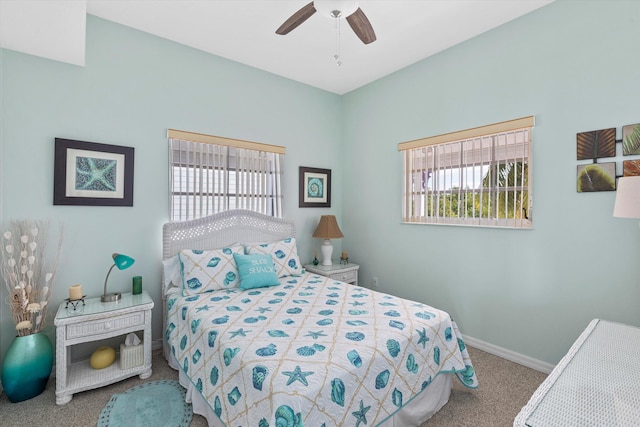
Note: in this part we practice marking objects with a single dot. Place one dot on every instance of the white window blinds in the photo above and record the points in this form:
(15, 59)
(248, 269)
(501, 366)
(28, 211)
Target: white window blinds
(210, 174)
(479, 176)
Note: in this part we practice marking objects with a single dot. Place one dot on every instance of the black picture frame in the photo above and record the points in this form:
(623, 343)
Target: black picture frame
(314, 187)
(92, 174)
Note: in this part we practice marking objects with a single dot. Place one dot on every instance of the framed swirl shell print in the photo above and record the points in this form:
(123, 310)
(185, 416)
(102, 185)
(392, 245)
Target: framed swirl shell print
(315, 188)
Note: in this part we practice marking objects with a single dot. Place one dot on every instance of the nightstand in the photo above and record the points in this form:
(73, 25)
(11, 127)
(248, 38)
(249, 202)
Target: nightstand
(94, 321)
(343, 272)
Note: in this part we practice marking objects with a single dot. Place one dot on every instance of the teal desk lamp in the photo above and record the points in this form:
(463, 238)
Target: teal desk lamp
(122, 262)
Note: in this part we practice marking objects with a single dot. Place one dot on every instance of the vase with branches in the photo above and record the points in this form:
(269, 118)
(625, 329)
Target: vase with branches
(27, 275)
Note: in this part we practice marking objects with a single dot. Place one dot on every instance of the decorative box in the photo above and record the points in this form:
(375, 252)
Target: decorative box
(131, 356)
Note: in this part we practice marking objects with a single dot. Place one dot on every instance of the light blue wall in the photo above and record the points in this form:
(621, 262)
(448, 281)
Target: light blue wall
(134, 86)
(574, 66)
(571, 64)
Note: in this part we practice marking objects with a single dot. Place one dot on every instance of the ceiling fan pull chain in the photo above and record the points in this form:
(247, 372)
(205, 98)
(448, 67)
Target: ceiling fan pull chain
(337, 55)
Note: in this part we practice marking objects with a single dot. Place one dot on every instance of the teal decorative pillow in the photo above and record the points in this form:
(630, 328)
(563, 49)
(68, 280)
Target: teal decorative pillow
(207, 271)
(256, 271)
(284, 253)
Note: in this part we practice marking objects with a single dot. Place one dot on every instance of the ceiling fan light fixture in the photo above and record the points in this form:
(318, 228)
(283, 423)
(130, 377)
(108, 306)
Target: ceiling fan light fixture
(336, 8)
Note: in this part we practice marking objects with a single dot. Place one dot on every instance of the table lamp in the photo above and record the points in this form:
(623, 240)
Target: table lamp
(327, 229)
(122, 262)
(628, 198)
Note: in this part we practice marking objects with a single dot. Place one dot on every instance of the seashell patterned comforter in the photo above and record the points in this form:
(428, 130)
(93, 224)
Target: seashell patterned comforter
(312, 351)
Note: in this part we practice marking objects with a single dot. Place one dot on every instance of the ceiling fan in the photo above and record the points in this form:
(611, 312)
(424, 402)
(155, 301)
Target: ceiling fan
(336, 9)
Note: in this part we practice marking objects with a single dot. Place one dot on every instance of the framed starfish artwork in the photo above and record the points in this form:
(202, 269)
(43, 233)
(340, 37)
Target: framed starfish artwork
(92, 174)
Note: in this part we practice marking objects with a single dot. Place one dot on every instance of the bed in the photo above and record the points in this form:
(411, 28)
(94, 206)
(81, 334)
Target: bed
(300, 349)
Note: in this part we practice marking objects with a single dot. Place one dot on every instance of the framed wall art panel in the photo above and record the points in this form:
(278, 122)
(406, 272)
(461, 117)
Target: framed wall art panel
(631, 140)
(631, 168)
(315, 188)
(596, 177)
(92, 174)
(596, 144)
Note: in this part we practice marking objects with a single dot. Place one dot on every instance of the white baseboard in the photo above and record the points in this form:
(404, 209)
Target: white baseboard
(518, 358)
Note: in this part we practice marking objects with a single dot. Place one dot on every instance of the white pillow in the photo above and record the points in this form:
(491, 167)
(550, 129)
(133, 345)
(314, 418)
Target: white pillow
(207, 271)
(172, 275)
(284, 254)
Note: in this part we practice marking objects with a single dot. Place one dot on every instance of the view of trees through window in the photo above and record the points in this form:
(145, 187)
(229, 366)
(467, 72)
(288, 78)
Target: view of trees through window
(501, 194)
(484, 180)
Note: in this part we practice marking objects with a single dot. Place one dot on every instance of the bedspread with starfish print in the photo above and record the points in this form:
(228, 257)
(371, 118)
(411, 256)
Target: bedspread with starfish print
(311, 351)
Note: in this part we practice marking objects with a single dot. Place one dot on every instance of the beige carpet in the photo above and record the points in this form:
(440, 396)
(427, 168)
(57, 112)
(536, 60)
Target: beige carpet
(504, 388)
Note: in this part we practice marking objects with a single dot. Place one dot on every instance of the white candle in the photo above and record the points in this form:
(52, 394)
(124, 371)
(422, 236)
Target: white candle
(75, 292)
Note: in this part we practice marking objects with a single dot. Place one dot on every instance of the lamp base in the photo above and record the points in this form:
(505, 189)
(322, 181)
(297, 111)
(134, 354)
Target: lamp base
(111, 297)
(326, 249)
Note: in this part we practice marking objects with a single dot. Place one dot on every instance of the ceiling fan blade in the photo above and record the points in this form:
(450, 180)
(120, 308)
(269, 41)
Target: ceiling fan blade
(296, 19)
(361, 26)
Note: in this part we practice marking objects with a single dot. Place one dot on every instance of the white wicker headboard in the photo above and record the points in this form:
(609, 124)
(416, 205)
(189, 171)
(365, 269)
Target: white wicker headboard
(224, 229)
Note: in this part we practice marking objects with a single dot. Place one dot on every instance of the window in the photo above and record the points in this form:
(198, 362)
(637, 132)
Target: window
(479, 176)
(210, 174)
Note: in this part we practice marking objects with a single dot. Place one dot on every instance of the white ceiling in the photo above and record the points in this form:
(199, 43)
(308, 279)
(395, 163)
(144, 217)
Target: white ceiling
(244, 31)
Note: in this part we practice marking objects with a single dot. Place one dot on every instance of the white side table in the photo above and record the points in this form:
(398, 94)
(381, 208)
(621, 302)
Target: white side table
(344, 272)
(94, 321)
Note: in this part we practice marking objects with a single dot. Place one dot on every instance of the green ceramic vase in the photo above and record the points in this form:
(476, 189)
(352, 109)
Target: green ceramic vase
(27, 366)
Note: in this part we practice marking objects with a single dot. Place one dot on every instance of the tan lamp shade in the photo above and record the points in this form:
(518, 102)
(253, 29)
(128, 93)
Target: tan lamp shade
(628, 198)
(328, 228)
